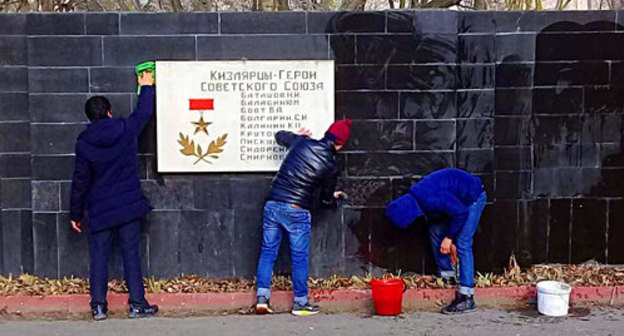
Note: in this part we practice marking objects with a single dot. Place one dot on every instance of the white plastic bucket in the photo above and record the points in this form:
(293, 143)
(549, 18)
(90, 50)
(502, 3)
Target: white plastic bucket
(553, 298)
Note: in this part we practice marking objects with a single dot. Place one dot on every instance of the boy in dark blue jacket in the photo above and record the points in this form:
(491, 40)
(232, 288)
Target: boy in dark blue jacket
(451, 201)
(106, 181)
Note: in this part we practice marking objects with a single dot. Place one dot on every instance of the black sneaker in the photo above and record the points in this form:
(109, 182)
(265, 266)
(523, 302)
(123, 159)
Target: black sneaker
(460, 305)
(143, 310)
(99, 312)
(307, 309)
(263, 306)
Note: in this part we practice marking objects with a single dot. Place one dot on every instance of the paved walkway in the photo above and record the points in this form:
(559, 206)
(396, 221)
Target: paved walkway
(484, 323)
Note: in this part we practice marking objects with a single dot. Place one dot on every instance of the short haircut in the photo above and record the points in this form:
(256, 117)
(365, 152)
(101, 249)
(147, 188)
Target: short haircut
(97, 108)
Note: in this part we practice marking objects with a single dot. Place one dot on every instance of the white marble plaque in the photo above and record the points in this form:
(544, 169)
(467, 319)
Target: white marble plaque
(221, 116)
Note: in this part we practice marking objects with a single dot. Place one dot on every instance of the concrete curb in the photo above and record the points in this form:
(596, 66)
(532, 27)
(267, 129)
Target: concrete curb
(331, 301)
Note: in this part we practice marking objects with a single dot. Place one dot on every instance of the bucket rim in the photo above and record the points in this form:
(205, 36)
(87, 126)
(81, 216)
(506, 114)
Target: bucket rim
(564, 288)
(387, 282)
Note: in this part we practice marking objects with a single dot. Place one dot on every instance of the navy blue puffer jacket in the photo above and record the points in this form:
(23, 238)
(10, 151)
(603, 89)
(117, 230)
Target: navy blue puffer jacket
(308, 165)
(105, 175)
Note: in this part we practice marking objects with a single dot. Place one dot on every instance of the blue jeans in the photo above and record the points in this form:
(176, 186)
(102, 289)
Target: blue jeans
(280, 218)
(100, 249)
(463, 242)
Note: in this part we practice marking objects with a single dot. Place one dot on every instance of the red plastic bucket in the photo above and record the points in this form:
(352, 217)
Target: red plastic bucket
(388, 295)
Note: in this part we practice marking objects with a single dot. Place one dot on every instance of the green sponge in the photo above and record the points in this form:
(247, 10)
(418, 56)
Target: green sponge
(145, 66)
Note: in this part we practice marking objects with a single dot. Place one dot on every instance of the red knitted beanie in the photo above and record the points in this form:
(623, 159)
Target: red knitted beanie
(340, 131)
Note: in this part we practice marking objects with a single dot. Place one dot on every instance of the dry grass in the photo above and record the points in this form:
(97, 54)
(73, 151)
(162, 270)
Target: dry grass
(575, 275)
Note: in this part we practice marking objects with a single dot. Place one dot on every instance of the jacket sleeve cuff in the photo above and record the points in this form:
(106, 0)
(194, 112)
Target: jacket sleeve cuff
(75, 217)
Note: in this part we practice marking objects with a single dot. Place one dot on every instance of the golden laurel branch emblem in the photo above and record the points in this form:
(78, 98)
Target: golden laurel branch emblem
(190, 149)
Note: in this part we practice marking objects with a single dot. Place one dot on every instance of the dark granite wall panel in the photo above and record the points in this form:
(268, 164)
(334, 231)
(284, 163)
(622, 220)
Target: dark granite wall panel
(508, 96)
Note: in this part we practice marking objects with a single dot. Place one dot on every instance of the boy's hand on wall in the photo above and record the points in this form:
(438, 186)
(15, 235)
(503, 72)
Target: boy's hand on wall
(304, 132)
(146, 78)
(77, 226)
(340, 195)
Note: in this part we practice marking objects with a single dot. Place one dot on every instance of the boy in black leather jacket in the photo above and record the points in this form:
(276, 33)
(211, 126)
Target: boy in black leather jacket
(309, 164)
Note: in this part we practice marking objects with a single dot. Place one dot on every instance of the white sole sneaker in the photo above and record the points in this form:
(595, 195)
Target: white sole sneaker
(263, 308)
(304, 312)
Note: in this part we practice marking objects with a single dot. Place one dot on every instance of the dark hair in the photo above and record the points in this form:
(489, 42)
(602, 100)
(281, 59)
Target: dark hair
(97, 108)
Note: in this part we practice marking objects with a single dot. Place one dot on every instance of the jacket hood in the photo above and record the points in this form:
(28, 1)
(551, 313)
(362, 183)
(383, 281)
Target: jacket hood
(104, 133)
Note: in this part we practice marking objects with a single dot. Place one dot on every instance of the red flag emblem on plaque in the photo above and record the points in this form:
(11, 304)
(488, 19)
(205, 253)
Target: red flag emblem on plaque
(192, 147)
(201, 104)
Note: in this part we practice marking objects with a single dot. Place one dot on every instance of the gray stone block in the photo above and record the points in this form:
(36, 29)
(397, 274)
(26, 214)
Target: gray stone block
(434, 21)
(435, 135)
(57, 108)
(70, 108)
(65, 195)
(250, 193)
(45, 245)
(14, 137)
(55, 138)
(13, 50)
(475, 104)
(212, 193)
(346, 22)
(428, 105)
(263, 23)
(13, 79)
(56, 24)
(475, 133)
(263, 47)
(163, 230)
(169, 23)
(73, 249)
(515, 48)
(46, 196)
(15, 165)
(52, 167)
(58, 80)
(476, 76)
(17, 241)
(476, 161)
(113, 79)
(64, 51)
(13, 24)
(16, 194)
(367, 105)
(327, 244)
(398, 164)
(2, 244)
(357, 244)
(247, 229)
(102, 23)
(130, 50)
(169, 194)
(207, 243)
(14, 107)
(381, 135)
(369, 192)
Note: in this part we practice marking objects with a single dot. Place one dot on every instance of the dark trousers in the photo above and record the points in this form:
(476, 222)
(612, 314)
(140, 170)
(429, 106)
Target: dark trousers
(100, 249)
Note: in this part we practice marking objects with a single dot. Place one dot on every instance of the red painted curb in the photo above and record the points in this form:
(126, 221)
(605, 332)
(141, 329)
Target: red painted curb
(342, 300)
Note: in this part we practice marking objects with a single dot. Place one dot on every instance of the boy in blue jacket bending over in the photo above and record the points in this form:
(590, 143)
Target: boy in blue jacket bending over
(451, 201)
(106, 181)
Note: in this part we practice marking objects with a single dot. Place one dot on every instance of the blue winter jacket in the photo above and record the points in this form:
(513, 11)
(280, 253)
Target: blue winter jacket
(105, 175)
(310, 164)
(444, 194)
(448, 192)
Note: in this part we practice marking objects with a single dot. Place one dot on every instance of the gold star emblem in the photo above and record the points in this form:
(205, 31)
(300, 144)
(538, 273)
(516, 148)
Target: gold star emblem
(201, 125)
